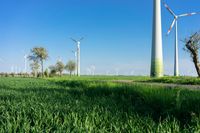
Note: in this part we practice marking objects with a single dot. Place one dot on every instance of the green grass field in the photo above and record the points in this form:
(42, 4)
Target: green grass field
(87, 105)
(176, 80)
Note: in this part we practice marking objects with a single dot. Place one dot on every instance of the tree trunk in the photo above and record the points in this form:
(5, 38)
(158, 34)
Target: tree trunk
(35, 74)
(195, 58)
(196, 63)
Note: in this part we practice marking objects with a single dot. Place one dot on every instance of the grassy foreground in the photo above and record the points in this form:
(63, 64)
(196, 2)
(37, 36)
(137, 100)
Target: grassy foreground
(59, 105)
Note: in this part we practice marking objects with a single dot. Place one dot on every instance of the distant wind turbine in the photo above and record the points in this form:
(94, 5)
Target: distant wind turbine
(107, 72)
(92, 68)
(116, 71)
(175, 22)
(88, 71)
(78, 54)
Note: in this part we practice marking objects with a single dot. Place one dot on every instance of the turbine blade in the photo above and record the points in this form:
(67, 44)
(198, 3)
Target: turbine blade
(73, 39)
(81, 38)
(171, 27)
(169, 9)
(189, 14)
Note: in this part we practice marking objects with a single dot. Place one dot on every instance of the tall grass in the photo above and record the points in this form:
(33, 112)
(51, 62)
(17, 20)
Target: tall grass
(43, 105)
(176, 80)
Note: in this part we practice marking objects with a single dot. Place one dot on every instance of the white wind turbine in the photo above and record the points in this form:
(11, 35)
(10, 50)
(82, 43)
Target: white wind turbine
(175, 22)
(78, 54)
(156, 53)
(88, 71)
(117, 71)
(93, 68)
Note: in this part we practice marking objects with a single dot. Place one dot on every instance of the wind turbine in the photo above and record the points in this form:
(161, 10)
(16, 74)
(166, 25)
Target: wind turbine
(175, 22)
(156, 53)
(78, 54)
(93, 68)
(88, 71)
(117, 71)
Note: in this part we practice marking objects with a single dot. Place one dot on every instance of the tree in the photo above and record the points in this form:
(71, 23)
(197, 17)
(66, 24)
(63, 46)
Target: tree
(53, 70)
(35, 67)
(39, 54)
(192, 45)
(71, 66)
(60, 67)
(46, 73)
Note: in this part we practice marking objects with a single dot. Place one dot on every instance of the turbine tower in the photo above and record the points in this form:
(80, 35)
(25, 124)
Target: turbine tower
(78, 54)
(75, 58)
(175, 22)
(156, 53)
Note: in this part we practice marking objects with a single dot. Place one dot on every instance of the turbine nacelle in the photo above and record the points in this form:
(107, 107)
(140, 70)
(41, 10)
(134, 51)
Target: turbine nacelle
(78, 42)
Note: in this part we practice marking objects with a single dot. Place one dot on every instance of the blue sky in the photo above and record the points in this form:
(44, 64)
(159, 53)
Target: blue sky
(117, 33)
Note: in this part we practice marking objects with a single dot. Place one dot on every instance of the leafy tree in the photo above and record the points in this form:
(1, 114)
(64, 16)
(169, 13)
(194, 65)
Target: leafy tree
(71, 66)
(192, 45)
(53, 70)
(35, 67)
(46, 73)
(60, 67)
(39, 54)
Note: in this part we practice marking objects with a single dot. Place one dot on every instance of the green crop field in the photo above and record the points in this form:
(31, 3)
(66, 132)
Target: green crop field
(87, 105)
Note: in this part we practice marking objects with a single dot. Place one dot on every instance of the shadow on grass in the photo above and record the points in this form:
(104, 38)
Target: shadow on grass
(158, 103)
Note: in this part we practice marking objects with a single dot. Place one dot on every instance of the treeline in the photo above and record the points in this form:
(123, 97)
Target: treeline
(39, 55)
(15, 74)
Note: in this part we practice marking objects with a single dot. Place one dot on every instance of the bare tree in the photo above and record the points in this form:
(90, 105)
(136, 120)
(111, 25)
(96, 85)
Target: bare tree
(192, 45)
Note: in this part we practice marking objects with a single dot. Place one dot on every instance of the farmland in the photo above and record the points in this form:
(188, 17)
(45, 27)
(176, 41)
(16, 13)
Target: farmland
(88, 105)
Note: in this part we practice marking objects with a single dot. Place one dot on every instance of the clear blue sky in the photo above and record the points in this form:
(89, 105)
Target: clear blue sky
(117, 33)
